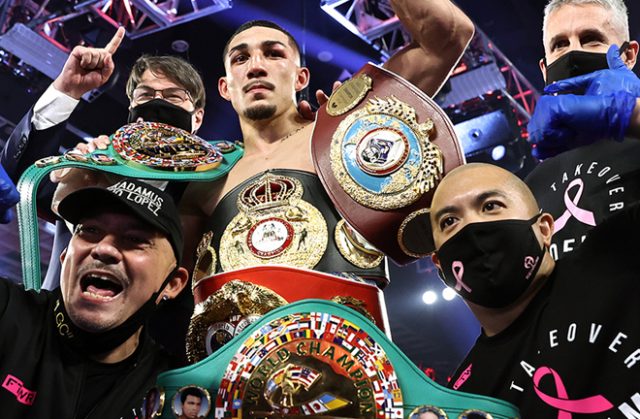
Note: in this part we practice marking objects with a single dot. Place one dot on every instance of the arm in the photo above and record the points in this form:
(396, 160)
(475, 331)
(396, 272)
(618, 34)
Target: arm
(634, 126)
(440, 32)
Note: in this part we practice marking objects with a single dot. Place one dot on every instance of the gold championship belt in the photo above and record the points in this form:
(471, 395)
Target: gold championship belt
(274, 226)
(380, 147)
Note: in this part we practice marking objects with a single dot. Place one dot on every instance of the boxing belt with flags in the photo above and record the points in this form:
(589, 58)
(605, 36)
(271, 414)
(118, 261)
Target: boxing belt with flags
(380, 146)
(143, 150)
(313, 358)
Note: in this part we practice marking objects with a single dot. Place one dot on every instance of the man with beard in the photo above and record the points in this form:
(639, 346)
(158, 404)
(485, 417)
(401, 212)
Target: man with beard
(589, 119)
(81, 351)
(557, 337)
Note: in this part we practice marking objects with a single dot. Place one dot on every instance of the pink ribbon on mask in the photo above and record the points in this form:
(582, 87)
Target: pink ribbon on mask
(565, 406)
(458, 270)
(582, 215)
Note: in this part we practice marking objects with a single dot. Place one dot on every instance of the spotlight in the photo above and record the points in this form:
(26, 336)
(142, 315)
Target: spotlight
(429, 297)
(498, 152)
(448, 294)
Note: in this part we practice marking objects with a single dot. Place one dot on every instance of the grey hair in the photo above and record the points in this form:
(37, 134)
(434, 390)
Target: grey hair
(618, 9)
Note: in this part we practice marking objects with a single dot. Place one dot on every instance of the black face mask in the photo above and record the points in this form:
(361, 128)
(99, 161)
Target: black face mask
(577, 63)
(159, 110)
(492, 263)
(92, 343)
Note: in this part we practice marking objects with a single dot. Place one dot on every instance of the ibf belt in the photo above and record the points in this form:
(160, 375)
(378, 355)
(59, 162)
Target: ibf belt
(274, 226)
(145, 150)
(227, 302)
(315, 358)
(380, 147)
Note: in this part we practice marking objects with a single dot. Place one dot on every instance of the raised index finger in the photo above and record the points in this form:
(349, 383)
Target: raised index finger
(113, 45)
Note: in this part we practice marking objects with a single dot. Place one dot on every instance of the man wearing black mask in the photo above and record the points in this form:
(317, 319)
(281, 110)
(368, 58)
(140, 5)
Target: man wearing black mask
(81, 351)
(558, 338)
(588, 119)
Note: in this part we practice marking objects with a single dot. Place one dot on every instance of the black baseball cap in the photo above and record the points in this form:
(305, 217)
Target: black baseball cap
(150, 204)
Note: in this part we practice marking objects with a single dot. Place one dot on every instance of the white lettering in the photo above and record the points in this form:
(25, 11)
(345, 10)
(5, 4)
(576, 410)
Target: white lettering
(613, 179)
(619, 189)
(553, 339)
(592, 166)
(553, 186)
(578, 168)
(527, 368)
(553, 251)
(565, 178)
(616, 206)
(595, 331)
(604, 171)
(617, 341)
(566, 245)
(630, 412)
(571, 333)
(632, 359)
(513, 386)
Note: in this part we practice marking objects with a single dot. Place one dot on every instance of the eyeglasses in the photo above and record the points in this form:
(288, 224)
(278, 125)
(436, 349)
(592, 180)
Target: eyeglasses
(175, 95)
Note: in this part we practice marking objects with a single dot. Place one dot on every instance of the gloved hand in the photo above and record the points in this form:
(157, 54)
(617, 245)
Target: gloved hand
(8, 197)
(604, 82)
(562, 122)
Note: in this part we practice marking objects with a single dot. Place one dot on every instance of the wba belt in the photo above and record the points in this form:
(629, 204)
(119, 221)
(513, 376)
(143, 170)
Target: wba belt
(144, 150)
(314, 358)
(380, 147)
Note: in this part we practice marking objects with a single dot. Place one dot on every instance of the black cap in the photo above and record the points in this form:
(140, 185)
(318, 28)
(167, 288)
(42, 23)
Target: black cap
(149, 203)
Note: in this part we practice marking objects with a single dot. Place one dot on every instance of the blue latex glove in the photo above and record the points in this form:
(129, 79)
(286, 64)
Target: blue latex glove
(8, 197)
(604, 82)
(560, 123)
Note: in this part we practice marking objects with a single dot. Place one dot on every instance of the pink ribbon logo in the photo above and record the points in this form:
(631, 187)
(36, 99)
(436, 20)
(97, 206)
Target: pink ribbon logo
(565, 406)
(458, 270)
(582, 215)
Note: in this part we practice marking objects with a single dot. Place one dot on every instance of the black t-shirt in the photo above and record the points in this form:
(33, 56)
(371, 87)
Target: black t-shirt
(584, 186)
(576, 348)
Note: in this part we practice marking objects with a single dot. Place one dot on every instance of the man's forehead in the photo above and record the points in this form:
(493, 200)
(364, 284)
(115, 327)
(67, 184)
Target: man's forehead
(578, 18)
(257, 35)
(153, 77)
(470, 182)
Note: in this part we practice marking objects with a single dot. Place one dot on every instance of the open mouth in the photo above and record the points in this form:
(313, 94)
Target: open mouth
(100, 286)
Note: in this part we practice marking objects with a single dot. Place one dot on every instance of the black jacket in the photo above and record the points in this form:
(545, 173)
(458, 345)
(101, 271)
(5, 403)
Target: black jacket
(42, 377)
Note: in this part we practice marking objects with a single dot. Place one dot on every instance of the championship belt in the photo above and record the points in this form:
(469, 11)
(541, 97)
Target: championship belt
(315, 358)
(380, 147)
(144, 150)
(226, 303)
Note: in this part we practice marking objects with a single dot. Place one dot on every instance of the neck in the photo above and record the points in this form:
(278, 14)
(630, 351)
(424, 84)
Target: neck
(264, 136)
(120, 353)
(495, 320)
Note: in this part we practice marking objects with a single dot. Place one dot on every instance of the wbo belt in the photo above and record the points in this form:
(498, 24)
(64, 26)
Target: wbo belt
(226, 303)
(314, 358)
(144, 150)
(380, 147)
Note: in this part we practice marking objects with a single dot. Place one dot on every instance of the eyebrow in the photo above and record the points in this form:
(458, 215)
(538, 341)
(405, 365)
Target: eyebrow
(477, 200)
(264, 44)
(585, 32)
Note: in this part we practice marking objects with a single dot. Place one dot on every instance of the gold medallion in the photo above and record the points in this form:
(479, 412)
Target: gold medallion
(206, 260)
(349, 94)
(382, 157)
(427, 411)
(274, 226)
(355, 304)
(226, 313)
(355, 248)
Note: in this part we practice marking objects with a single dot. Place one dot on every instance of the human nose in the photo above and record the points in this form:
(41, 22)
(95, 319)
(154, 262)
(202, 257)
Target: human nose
(256, 66)
(106, 250)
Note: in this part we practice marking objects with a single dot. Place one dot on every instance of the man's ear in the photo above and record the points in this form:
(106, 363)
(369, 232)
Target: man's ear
(176, 284)
(545, 223)
(302, 78)
(223, 88)
(198, 117)
(631, 54)
(436, 260)
(543, 69)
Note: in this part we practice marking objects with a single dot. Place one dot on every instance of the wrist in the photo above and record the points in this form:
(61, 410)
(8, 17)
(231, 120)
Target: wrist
(61, 87)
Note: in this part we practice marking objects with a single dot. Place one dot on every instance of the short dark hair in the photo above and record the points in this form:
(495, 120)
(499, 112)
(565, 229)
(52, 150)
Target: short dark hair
(175, 69)
(265, 24)
(190, 391)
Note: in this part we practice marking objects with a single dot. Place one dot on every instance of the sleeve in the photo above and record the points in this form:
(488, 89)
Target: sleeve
(53, 108)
